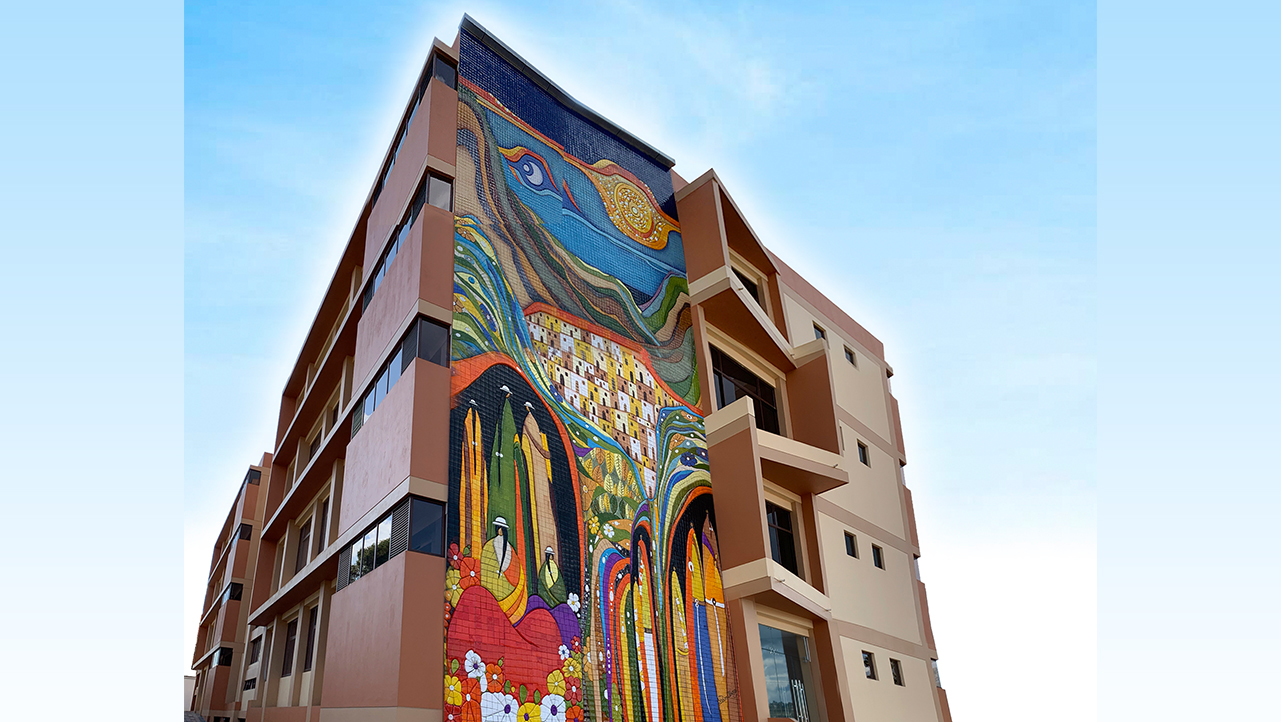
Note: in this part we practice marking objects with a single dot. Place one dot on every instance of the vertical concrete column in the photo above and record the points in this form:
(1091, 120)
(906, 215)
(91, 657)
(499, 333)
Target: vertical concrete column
(813, 544)
(832, 672)
(745, 631)
(322, 635)
(273, 656)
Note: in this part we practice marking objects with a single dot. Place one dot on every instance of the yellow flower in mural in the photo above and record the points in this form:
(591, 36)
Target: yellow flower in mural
(453, 690)
(556, 683)
(452, 588)
(571, 668)
(529, 712)
(593, 525)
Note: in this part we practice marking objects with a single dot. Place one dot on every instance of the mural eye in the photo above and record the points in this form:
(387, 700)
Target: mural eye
(533, 174)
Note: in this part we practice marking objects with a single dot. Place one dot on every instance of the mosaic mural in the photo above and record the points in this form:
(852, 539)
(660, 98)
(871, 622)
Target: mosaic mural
(583, 580)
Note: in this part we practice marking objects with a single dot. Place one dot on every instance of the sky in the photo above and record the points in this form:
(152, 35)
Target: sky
(931, 168)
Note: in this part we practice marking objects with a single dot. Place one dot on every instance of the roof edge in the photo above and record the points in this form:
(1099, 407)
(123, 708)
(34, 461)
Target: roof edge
(542, 81)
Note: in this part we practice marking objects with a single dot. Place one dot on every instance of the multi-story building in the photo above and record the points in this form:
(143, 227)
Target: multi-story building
(220, 659)
(567, 442)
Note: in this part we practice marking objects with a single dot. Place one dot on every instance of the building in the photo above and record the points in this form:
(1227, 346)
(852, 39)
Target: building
(217, 690)
(567, 442)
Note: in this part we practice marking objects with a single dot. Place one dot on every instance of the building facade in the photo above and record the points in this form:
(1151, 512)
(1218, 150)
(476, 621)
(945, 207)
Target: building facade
(567, 442)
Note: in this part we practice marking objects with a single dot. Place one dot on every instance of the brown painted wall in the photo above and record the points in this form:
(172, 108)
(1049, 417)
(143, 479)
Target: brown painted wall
(429, 456)
(436, 280)
(740, 501)
(378, 456)
(362, 656)
(701, 232)
(422, 675)
(397, 295)
(812, 402)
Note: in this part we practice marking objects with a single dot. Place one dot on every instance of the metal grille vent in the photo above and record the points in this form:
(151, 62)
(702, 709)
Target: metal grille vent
(399, 529)
(344, 566)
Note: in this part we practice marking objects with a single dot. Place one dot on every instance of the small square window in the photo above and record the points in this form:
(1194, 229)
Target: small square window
(849, 356)
(851, 545)
(896, 671)
(869, 665)
(819, 332)
(863, 455)
(878, 557)
(440, 193)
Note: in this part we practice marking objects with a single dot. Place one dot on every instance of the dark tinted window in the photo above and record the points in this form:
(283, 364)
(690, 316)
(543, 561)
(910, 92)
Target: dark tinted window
(291, 638)
(255, 649)
(863, 456)
(896, 671)
(304, 545)
(433, 342)
(254, 476)
(869, 665)
(427, 527)
(234, 591)
(851, 545)
(819, 332)
(878, 557)
(311, 638)
(245, 531)
(322, 529)
(251, 683)
(315, 446)
(849, 356)
(356, 549)
(384, 542)
(732, 381)
(444, 72)
(224, 657)
(367, 553)
(752, 289)
(781, 540)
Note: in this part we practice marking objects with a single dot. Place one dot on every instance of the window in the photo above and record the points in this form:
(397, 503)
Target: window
(314, 446)
(322, 529)
(733, 381)
(304, 546)
(896, 671)
(224, 656)
(291, 638)
(234, 592)
(427, 527)
(851, 545)
(255, 649)
(934, 667)
(849, 356)
(333, 416)
(781, 541)
(878, 557)
(752, 289)
(253, 477)
(863, 454)
(312, 617)
(432, 190)
(819, 332)
(916, 567)
(415, 524)
(439, 69)
(869, 665)
(426, 339)
(251, 683)
(245, 531)
(789, 681)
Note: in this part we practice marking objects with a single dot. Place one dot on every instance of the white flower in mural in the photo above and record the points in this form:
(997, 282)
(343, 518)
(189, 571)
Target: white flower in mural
(574, 604)
(553, 709)
(564, 652)
(475, 667)
(609, 531)
(498, 707)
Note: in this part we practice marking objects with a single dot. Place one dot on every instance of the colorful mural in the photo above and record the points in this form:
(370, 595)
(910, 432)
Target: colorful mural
(583, 580)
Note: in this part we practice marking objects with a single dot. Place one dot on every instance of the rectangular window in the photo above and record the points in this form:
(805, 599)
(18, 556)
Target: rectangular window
(253, 477)
(819, 332)
(322, 529)
(433, 341)
(863, 455)
(357, 549)
(869, 665)
(234, 591)
(312, 617)
(440, 193)
(245, 531)
(849, 356)
(224, 657)
(781, 541)
(934, 667)
(896, 671)
(732, 381)
(291, 638)
(314, 446)
(752, 289)
(383, 550)
(916, 567)
(251, 683)
(304, 546)
(333, 416)
(851, 545)
(444, 72)
(427, 527)
(255, 649)
(878, 557)
(790, 686)
(368, 552)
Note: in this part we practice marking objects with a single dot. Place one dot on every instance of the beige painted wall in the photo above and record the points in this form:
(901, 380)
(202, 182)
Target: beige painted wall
(863, 594)
(861, 390)
(881, 699)
(873, 491)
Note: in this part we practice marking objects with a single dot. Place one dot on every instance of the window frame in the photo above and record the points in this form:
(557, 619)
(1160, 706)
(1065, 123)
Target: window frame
(291, 643)
(896, 672)
(775, 531)
(878, 556)
(851, 545)
(869, 666)
(820, 333)
(851, 357)
(313, 620)
(864, 453)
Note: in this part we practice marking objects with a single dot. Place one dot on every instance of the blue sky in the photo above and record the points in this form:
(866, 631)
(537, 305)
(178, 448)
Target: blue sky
(931, 168)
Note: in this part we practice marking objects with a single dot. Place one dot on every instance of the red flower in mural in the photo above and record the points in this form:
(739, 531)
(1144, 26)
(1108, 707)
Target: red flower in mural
(471, 692)
(468, 572)
(574, 714)
(471, 711)
(573, 689)
(453, 713)
(576, 644)
(455, 557)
